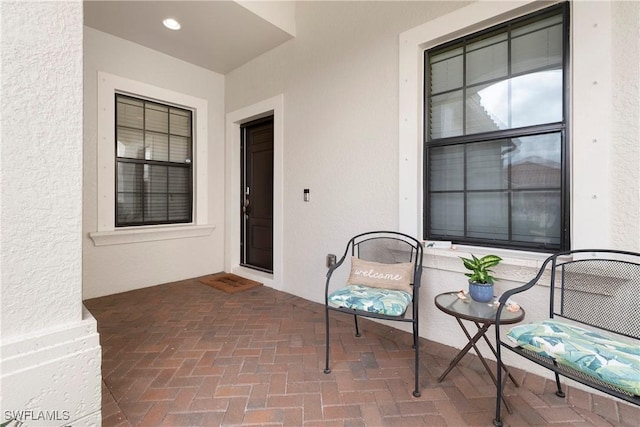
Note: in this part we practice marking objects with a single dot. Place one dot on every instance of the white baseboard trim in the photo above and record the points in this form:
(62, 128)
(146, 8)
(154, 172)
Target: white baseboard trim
(53, 378)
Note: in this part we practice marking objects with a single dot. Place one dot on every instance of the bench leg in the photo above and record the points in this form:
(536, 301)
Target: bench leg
(497, 421)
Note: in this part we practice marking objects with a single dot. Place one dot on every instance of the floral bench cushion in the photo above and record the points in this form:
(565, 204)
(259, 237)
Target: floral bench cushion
(373, 300)
(607, 359)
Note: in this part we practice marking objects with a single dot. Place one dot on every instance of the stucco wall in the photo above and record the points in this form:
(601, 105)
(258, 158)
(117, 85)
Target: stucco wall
(47, 343)
(625, 155)
(121, 267)
(41, 167)
(340, 81)
(338, 77)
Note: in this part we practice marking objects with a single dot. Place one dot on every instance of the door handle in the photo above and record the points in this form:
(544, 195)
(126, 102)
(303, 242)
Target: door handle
(246, 208)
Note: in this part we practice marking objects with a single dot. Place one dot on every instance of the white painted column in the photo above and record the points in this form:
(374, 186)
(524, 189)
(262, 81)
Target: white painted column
(49, 348)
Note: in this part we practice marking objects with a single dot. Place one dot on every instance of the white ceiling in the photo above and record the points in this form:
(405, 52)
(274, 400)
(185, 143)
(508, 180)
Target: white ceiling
(219, 35)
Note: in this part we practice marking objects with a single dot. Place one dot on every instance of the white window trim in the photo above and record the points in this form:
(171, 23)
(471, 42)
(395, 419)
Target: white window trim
(590, 200)
(107, 233)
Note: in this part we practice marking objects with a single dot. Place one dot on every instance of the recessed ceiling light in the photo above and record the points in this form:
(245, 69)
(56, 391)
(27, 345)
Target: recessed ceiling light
(171, 24)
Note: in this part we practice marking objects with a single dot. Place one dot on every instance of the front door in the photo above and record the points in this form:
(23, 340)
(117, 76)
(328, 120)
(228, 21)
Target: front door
(256, 243)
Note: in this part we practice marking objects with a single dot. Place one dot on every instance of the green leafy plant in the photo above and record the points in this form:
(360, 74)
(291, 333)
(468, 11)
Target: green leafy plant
(480, 268)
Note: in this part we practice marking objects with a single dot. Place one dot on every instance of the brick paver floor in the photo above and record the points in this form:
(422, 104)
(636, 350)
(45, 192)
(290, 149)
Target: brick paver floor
(185, 354)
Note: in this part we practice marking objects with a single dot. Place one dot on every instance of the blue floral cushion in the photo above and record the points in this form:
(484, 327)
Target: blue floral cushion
(610, 360)
(373, 300)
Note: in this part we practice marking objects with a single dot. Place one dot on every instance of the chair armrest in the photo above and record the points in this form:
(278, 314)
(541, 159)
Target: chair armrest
(507, 294)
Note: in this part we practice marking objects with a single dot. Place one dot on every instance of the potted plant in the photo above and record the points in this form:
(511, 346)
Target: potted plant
(480, 278)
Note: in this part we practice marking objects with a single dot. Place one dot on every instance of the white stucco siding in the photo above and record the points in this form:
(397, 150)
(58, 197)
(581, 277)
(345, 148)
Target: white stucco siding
(121, 267)
(41, 173)
(351, 92)
(625, 153)
(338, 77)
(49, 348)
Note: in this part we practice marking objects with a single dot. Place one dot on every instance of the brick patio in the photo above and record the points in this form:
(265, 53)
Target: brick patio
(185, 354)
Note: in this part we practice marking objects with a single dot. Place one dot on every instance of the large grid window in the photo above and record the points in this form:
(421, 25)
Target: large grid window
(496, 135)
(153, 163)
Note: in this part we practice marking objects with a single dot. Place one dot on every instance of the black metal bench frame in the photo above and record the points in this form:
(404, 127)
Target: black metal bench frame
(586, 287)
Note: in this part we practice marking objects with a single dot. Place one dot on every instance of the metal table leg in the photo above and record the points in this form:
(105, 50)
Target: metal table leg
(466, 348)
(481, 333)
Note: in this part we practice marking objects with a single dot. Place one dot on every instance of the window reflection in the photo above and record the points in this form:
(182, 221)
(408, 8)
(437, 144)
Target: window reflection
(526, 100)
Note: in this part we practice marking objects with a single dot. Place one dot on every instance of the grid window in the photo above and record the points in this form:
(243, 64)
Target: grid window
(495, 135)
(153, 163)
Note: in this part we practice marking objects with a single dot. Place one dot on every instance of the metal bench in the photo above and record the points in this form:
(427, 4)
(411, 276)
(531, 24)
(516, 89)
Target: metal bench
(596, 290)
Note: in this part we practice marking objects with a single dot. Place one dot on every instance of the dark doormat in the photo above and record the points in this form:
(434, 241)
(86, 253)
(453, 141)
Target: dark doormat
(229, 283)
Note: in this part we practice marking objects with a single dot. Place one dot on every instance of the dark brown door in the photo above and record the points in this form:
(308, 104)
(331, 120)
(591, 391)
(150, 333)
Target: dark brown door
(257, 195)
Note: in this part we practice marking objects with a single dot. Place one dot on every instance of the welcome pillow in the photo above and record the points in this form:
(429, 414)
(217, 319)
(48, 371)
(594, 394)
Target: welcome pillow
(378, 275)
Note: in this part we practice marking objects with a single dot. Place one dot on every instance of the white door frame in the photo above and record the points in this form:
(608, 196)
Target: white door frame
(272, 106)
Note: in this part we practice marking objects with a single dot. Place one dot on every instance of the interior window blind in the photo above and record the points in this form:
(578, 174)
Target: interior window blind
(154, 165)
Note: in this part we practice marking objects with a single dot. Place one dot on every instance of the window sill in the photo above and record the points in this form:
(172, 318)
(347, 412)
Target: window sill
(511, 257)
(518, 266)
(147, 234)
